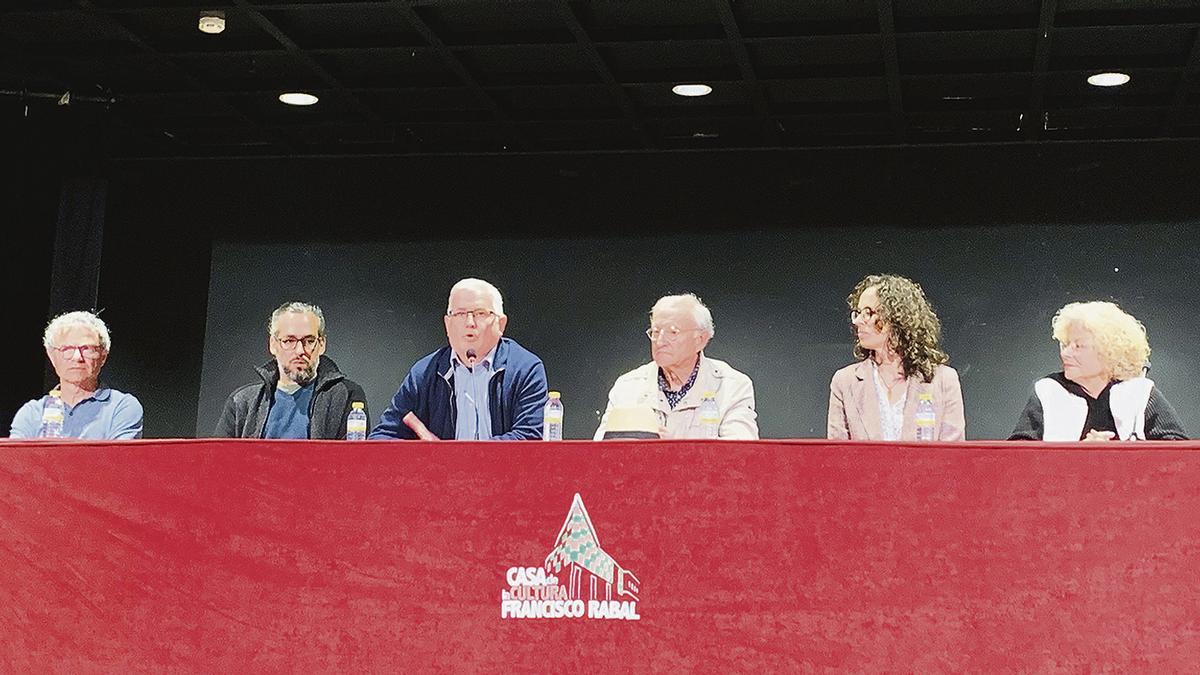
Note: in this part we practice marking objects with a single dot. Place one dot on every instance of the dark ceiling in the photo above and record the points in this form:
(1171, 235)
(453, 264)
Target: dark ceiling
(439, 76)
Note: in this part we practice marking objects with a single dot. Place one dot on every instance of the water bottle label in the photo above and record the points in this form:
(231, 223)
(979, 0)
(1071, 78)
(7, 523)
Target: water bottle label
(552, 418)
(359, 426)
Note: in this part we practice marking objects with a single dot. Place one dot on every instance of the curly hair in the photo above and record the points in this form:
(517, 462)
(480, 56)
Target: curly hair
(1120, 339)
(915, 329)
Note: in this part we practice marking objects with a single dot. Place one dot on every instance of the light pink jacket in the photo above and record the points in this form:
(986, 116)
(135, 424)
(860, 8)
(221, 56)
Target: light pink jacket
(854, 406)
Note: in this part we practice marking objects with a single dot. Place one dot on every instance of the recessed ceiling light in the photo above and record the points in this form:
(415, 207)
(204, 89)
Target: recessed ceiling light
(212, 22)
(298, 98)
(692, 89)
(1107, 79)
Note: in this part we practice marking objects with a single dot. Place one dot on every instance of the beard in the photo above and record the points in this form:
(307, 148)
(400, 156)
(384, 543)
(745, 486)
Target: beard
(302, 375)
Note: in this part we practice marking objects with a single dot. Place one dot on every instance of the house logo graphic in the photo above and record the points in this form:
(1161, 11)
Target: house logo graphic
(578, 580)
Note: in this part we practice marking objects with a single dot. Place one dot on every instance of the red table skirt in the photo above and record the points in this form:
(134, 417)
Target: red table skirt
(332, 556)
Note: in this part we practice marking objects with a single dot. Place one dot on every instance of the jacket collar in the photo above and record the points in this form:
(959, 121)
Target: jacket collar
(868, 403)
(445, 368)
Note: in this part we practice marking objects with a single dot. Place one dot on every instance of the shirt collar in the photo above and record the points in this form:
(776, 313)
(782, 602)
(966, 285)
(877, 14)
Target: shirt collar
(674, 397)
(486, 361)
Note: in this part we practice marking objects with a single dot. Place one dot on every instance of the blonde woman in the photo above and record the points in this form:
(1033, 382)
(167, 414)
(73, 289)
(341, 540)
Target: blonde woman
(1101, 394)
(897, 339)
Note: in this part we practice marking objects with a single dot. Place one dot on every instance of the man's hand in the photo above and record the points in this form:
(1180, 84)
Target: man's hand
(1093, 435)
(413, 422)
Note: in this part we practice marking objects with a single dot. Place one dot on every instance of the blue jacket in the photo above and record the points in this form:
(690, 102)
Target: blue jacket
(517, 395)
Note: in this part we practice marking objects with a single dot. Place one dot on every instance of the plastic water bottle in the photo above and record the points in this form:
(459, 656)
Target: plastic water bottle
(710, 415)
(53, 413)
(552, 418)
(925, 418)
(356, 422)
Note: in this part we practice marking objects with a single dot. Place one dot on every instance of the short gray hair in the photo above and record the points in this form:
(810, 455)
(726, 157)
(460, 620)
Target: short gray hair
(63, 322)
(482, 286)
(699, 311)
(297, 308)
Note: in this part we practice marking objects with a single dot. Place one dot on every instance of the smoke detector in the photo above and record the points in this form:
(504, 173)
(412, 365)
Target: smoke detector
(212, 22)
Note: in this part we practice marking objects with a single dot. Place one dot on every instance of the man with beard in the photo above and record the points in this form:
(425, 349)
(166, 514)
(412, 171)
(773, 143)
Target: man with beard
(300, 394)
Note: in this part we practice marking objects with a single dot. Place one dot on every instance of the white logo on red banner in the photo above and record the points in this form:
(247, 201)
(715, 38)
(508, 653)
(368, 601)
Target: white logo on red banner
(578, 580)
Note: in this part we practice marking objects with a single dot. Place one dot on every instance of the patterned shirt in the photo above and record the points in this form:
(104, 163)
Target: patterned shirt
(674, 397)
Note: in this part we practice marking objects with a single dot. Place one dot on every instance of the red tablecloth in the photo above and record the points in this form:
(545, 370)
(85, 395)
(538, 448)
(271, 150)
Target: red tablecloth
(307, 556)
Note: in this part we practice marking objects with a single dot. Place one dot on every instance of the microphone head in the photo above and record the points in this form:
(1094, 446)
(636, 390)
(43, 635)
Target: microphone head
(471, 355)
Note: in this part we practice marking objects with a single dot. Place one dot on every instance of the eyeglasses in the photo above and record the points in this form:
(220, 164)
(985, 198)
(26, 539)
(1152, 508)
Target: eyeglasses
(479, 315)
(289, 343)
(670, 333)
(868, 312)
(85, 351)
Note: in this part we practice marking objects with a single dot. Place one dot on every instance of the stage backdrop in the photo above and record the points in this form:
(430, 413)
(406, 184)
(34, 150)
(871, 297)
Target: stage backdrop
(777, 297)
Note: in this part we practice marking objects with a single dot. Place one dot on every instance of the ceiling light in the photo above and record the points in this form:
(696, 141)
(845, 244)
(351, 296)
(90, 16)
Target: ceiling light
(298, 98)
(1107, 79)
(692, 89)
(212, 22)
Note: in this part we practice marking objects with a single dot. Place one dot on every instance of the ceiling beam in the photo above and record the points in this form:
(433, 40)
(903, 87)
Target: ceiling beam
(299, 54)
(1189, 78)
(455, 64)
(1035, 114)
(737, 45)
(281, 141)
(891, 67)
(624, 101)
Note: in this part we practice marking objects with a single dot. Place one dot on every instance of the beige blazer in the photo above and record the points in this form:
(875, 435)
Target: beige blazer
(854, 407)
(734, 392)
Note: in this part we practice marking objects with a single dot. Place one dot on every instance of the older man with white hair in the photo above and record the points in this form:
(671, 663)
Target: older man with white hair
(675, 382)
(77, 344)
(482, 386)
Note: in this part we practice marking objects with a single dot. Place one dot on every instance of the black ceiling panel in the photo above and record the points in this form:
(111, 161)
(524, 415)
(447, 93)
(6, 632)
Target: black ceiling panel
(466, 76)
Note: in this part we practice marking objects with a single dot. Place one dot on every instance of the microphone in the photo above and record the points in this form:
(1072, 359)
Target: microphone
(471, 356)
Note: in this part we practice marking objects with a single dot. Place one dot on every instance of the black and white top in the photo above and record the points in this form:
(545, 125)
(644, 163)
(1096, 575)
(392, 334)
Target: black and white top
(1134, 409)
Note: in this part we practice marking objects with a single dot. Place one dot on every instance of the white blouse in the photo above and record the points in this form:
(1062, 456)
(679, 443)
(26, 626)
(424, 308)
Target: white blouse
(891, 415)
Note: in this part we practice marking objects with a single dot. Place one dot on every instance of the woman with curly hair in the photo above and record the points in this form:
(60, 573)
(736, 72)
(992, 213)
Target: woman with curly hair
(1101, 394)
(897, 339)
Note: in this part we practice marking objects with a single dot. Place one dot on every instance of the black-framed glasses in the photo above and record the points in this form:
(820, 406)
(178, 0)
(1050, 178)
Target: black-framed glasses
(479, 315)
(290, 342)
(869, 312)
(85, 351)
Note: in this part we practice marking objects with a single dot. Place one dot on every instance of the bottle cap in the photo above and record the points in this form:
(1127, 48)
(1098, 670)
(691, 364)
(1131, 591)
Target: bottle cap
(358, 405)
(56, 393)
(710, 394)
(555, 394)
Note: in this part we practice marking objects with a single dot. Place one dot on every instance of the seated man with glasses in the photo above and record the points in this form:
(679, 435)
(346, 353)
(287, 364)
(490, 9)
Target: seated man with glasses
(300, 393)
(77, 345)
(481, 386)
(675, 382)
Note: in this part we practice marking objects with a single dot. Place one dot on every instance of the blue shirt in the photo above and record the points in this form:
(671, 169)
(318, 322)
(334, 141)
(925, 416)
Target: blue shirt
(471, 399)
(289, 414)
(106, 414)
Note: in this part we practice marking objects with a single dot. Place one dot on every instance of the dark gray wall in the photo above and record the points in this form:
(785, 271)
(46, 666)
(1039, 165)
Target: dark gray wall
(777, 297)
(999, 235)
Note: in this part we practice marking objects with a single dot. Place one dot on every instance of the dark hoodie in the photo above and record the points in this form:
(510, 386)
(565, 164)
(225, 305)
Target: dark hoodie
(246, 409)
